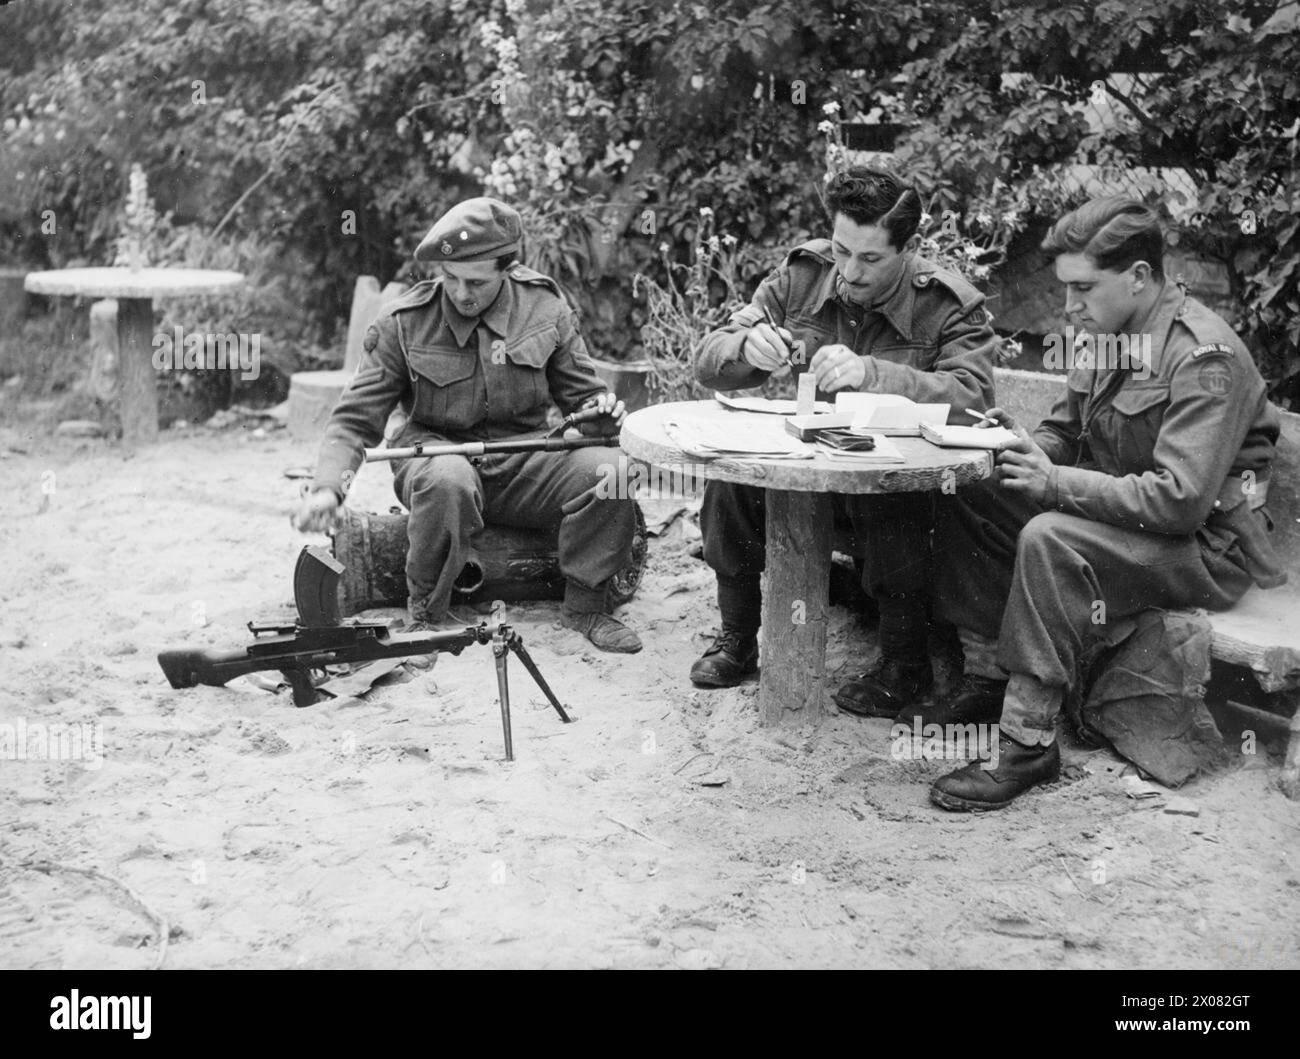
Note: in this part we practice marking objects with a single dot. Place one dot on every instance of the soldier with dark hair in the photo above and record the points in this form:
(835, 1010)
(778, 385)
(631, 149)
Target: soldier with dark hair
(873, 316)
(478, 354)
(1142, 488)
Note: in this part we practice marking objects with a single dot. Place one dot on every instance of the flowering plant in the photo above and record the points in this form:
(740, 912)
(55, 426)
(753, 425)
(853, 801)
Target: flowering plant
(696, 299)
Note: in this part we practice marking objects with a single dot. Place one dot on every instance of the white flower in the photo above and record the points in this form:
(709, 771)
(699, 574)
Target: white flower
(705, 212)
(826, 128)
(729, 240)
(830, 108)
(663, 247)
(925, 221)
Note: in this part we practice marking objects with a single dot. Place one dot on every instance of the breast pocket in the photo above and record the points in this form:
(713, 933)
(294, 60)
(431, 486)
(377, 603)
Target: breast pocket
(1132, 423)
(809, 337)
(523, 376)
(443, 381)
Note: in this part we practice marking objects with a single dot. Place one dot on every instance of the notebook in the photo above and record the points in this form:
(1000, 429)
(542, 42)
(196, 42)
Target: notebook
(889, 414)
(960, 437)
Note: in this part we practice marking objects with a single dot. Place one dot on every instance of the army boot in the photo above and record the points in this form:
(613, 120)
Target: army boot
(584, 611)
(977, 700)
(975, 788)
(732, 657)
(886, 689)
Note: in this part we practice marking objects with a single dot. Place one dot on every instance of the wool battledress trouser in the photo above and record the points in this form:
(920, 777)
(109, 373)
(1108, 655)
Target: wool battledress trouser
(894, 530)
(1043, 584)
(451, 497)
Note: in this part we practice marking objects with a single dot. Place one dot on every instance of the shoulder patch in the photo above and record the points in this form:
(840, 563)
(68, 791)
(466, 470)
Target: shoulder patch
(1213, 349)
(1215, 376)
(371, 340)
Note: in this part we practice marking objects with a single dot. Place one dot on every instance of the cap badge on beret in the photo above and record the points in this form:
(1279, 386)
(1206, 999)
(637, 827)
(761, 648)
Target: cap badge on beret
(474, 230)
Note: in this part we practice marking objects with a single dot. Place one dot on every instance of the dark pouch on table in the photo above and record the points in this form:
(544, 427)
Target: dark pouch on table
(849, 442)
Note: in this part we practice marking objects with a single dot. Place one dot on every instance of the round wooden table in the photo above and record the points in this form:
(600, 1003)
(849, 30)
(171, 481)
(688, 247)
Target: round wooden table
(134, 290)
(792, 680)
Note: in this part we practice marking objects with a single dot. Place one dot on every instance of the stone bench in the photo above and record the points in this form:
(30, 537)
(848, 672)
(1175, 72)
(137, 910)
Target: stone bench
(313, 394)
(1262, 632)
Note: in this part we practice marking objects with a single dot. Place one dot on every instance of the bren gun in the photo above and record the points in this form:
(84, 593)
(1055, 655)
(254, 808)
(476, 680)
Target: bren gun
(319, 638)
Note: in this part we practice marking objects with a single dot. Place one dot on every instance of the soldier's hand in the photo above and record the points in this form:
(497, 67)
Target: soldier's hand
(317, 512)
(767, 348)
(837, 368)
(999, 418)
(1021, 465)
(610, 423)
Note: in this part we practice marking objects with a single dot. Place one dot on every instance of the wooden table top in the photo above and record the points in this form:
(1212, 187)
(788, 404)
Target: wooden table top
(132, 283)
(927, 466)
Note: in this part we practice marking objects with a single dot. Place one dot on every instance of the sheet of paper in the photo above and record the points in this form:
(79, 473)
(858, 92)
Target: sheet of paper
(769, 405)
(960, 437)
(742, 436)
(889, 413)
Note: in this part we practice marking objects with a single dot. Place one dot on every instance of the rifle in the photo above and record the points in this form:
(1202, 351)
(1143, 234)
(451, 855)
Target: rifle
(551, 442)
(319, 638)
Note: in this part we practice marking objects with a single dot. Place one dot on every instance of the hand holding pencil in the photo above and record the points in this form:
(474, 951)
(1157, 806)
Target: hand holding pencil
(767, 346)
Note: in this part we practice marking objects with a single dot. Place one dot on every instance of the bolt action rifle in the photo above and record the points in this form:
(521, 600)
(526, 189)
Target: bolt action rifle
(319, 638)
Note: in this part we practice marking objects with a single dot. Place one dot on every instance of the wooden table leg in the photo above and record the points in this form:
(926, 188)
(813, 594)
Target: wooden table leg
(137, 388)
(792, 684)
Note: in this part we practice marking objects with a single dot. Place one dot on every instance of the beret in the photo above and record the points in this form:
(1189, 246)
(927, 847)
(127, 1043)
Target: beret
(473, 230)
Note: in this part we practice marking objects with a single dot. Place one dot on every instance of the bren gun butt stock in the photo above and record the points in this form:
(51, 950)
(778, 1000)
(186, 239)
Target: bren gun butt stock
(319, 638)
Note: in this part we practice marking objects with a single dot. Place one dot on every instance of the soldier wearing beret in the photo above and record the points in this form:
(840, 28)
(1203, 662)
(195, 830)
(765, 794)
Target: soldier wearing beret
(861, 311)
(479, 354)
(1143, 488)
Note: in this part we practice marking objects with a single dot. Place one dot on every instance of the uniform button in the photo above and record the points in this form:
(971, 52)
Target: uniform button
(1218, 503)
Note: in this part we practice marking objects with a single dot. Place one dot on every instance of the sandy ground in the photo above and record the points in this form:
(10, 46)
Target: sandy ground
(664, 829)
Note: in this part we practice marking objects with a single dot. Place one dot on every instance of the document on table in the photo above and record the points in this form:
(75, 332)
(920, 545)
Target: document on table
(769, 405)
(742, 436)
(888, 413)
(885, 451)
(961, 437)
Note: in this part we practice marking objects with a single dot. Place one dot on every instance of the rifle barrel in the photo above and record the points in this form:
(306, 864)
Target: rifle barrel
(484, 448)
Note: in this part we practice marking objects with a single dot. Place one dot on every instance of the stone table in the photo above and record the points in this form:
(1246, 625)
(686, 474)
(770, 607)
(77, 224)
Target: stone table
(792, 679)
(134, 290)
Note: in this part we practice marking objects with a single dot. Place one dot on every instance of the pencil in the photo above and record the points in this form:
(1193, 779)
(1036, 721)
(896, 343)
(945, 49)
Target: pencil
(981, 415)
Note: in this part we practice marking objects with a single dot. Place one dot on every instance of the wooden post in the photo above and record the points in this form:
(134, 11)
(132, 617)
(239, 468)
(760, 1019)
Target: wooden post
(1290, 778)
(795, 607)
(136, 383)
